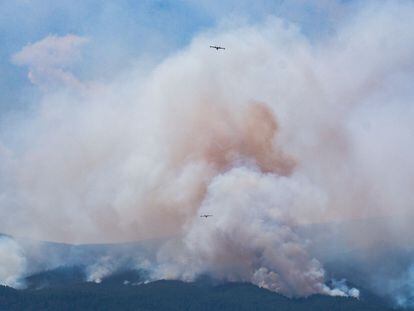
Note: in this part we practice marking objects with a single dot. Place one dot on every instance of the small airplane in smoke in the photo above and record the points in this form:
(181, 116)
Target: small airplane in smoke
(217, 47)
(206, 215)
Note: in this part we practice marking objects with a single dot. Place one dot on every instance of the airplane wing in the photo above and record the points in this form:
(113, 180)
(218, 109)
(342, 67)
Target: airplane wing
(217, 47)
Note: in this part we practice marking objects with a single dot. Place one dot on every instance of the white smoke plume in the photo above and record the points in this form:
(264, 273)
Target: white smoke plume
(12, 263)
(104, 267)
(275, 132)
(247, 202)
(49, 60)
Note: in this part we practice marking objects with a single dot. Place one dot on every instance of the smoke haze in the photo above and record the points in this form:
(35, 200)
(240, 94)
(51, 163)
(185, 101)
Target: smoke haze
(12, 262)
(279, 131)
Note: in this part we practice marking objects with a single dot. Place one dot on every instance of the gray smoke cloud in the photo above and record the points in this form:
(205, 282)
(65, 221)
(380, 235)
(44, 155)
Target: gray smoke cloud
(247, 202)
(12, 262)
(277, 132)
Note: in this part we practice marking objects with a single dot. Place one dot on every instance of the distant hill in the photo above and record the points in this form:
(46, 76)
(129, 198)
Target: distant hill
(64, 289)
(57, 272)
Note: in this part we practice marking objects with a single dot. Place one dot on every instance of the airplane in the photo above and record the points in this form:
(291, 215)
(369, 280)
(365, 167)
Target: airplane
(217, 47)
(206, 215)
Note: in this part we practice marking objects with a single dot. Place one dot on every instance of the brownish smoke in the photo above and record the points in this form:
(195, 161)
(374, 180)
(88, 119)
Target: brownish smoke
(216, 138)
(258, 141)
(221, 137)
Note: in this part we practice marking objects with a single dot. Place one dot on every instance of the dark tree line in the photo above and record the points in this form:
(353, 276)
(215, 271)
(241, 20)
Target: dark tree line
(171, 295)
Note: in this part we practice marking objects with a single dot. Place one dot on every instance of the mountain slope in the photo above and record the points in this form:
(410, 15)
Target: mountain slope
(170, 295)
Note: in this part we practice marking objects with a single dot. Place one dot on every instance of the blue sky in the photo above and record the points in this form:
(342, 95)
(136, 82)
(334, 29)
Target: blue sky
(124, 30)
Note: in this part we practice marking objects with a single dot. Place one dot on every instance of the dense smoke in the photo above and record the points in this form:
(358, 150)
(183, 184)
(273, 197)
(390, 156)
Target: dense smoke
(12, 262)
(277, 132)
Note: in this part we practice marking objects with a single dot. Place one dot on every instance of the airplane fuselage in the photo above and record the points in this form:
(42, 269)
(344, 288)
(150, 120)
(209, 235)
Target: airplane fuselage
(217, 47)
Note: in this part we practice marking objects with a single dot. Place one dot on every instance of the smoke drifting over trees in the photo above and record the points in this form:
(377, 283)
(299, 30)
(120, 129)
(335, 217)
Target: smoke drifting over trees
(278, 132)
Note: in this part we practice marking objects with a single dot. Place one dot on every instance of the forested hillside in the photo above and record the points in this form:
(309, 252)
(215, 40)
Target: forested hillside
(170, 295)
